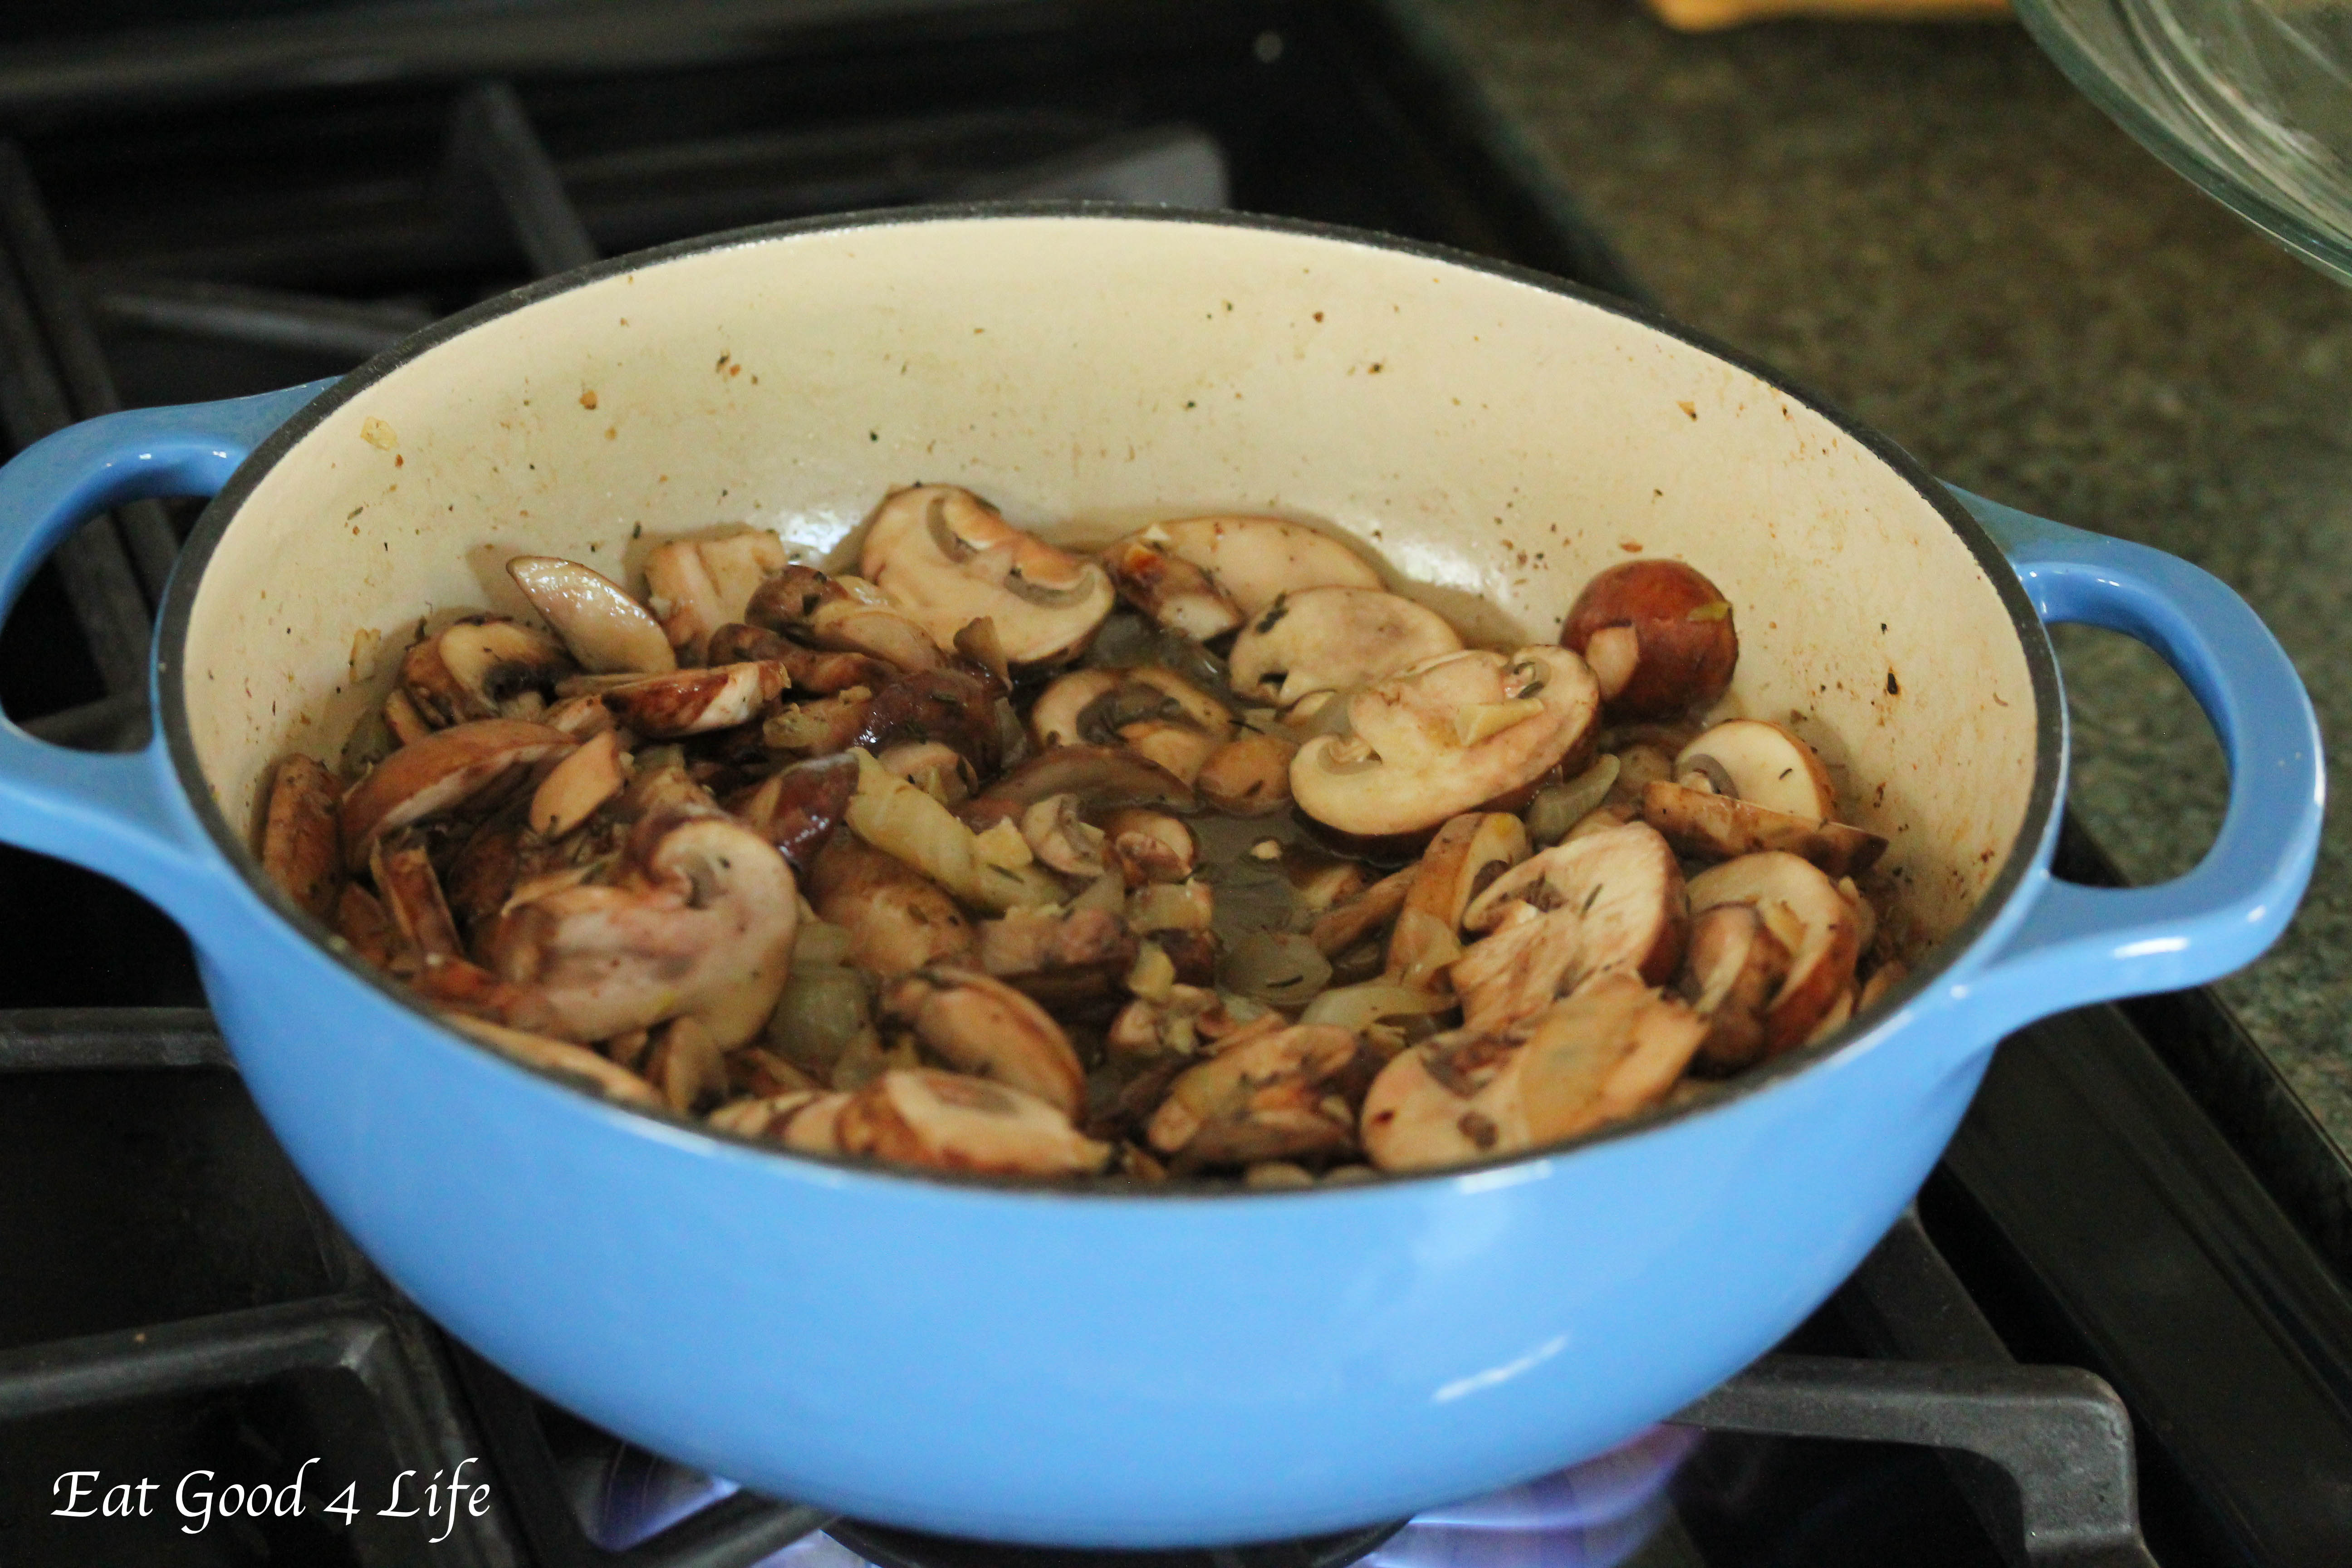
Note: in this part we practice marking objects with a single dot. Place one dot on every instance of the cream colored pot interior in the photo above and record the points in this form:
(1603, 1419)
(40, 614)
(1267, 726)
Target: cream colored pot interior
(1492, 442)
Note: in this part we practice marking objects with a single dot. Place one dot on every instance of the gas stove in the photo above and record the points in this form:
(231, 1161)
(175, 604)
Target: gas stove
(2110, 1332)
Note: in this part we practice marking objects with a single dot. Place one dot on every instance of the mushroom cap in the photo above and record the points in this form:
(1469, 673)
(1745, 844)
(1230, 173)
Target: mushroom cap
(1335, 639)
(464, 765)
(1611, 900)
(606, 630)
(1661, 632)
(697, 585)
(1804, 909)
(1172, 592)
(946, 558)
(1406, 768)
(1254, 560)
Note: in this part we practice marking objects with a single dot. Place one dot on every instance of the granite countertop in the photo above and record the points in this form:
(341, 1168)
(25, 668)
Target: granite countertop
(1928, 225)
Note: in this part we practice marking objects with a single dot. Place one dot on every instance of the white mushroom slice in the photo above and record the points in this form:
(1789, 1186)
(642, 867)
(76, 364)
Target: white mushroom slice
(577, 785)
(1710, 827)
(301, 845)
(978, 1023)
(1732, 970)
(1606, 900)
(1278, 1095)
(948, 1122)
(897, 919)
(565, 1059)
(1185, 702)
(1609, 1050)
(1805, 909)
(1149, 845)
(606, 630)
(1173, 592)
(583, 717)
(695, 702)
(1447, 1101)
(484, 667)
(1054, 717)
(697, 585)
(946, 558)
(805, 1121)
(400, 717)
(1249, 775)
(1180, 749)
(1468, 853)
(411, 895)
(471, 765)
(1404, 769)
(1766, 766)
(1254, 560)
(1056, 836)
(1335, 639)
(685, 1065)
(698, 923)
(877, 631)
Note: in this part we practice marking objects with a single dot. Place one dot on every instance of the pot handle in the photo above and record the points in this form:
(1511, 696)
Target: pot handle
(121, 813)
(2077, 945)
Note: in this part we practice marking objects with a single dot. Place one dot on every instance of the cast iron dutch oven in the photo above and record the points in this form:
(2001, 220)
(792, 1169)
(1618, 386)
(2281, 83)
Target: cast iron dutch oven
(1133, 1367)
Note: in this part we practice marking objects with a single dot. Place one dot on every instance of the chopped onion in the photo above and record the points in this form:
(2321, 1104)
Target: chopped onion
(820, 941)
(1279, 968)
(1355, 1006)
(822, 1009)
(1558, 808)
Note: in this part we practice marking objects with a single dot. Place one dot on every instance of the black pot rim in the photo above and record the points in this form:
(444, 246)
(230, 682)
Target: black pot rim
(212, 526)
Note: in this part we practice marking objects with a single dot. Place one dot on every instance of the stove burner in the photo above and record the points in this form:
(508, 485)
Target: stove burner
(887, 1548)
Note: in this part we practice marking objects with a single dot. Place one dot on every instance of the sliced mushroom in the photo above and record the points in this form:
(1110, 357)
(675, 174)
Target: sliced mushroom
(360, 921)
(300, 840)
(606, 629)
(1612, 1048)
(1149, 845)
(797, 809)
(1710, 827)
(1732, 970)
(1283, 1095)
(695, 702)
(1059, 838)
(949, 706)
(1063, 960)
(1763, 765)
(946, 558)
(1607, 900)
(897, 919)
(1803, 909)
(946, 1121)
(698, 923)
(1658, 635)
(803, 603)
(685, 1065)
(697, 585)
(1172, 592)
(1251, 561)
(818, 729)
(1467, 855)
(978, 1023)
(1054, 717)
(405, 881)
(565, 1059)
(577, 785)
(401, 718)
(805, 1123)
(471, 767)
(1447, 1101)
(1363, 915)
(1101, 777)
(1335, 639)
(1248, 775)
(1406, 768)
(759, 1072)
(484, 667)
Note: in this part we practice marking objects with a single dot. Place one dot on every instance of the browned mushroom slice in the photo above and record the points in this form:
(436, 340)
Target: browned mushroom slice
(606, 629)
(946, 1121)
(1254, 560)
(946, 558)
(1732, 970)
(484, 667)
(1335, 639)
(1805, 909)
(1054, 717)
(1149, 845)
(797, 809)
(1061, 839)
(1658, 637)
(1102, 777)
(695, 702)
(897, 919)
(1060, 960)
(697, 585)
(806, 605)
(1248, 775)
(698, 923)
(1363, 915)
(949, 706)
(360, 921)
(977, 1024)
(411, 895)
(759, 1072)
(1447, 1101)
(1170, 591)
(1710, 827)
(1609, 1050)
(1446, 738)
(804, 1121)
(1468, 853)
(1607, 900)
(465, 767)
(577, 785)
(300, 840)
(562, 1058)
(1279, 1096)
